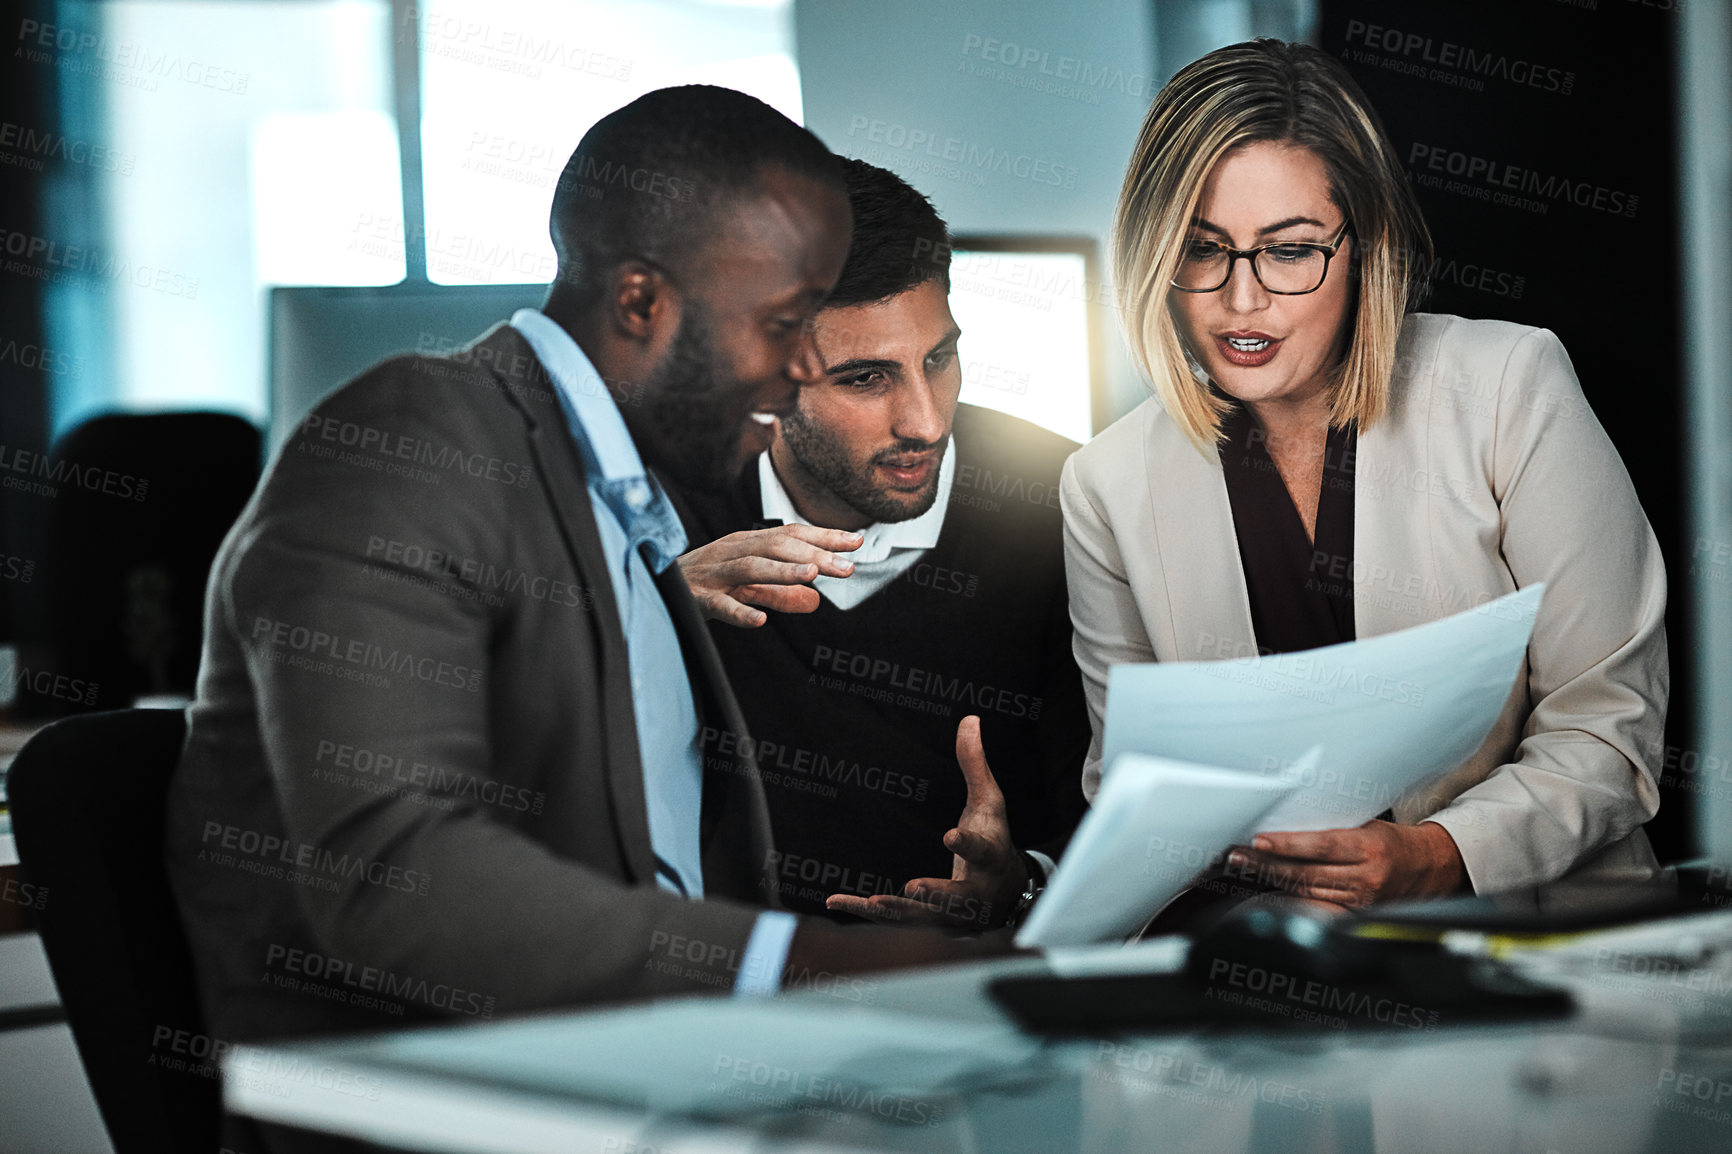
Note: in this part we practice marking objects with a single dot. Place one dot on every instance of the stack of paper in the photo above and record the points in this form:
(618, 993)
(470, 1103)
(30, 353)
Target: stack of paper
(1206, 754)
(1155, 823)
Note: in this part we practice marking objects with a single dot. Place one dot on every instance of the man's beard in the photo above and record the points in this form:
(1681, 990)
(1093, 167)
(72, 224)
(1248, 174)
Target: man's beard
(825, 459)
(688, 424)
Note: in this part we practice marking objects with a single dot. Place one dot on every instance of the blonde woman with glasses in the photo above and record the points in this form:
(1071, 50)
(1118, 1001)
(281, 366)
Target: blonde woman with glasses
(1320, 464)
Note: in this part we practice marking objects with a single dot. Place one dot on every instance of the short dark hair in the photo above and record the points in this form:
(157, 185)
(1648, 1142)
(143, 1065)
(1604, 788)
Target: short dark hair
(647, 181)
(900, 242)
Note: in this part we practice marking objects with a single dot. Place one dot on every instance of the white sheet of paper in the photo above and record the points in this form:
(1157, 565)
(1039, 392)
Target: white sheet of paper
(1389, 712)
(1155, 823)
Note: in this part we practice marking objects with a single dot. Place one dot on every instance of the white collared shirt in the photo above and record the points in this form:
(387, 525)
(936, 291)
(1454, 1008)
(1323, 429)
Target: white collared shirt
(891, 547)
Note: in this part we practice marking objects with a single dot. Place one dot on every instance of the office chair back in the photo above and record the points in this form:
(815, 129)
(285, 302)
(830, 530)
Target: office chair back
(87, 796)
(130, 545)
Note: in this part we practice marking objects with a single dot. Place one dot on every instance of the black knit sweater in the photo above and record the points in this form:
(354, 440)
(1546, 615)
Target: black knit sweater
(854, 712)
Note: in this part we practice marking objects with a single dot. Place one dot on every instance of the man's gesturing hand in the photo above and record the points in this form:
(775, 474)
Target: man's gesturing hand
(987, 873)
(1378, 862)
(767, 567)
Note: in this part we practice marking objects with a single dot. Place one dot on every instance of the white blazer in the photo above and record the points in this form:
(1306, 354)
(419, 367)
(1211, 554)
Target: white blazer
(1488, 474)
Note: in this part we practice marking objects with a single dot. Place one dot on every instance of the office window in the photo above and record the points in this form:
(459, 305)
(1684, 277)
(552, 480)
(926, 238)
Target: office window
(243, 133)
(327, 199)
(510, 86)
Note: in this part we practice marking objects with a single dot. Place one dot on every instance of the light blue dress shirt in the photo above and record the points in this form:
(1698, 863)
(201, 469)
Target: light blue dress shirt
(641, 536)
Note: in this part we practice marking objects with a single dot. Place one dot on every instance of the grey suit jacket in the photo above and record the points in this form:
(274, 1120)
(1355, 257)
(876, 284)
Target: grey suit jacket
(1490, 473)
(411, 786)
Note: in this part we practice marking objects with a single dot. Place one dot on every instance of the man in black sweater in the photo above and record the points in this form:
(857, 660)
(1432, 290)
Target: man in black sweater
(910, 551)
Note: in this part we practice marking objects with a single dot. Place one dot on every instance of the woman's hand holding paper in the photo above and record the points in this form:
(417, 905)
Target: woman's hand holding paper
(1377, 862)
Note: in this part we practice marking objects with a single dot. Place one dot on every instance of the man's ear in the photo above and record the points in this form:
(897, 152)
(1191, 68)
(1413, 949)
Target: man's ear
(643, 303)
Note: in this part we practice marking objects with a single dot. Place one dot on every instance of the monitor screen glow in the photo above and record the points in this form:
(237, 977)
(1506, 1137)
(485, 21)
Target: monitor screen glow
(1027, 343)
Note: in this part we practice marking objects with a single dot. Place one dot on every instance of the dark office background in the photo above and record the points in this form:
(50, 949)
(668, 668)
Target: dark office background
(30, 97)
(1568, 92)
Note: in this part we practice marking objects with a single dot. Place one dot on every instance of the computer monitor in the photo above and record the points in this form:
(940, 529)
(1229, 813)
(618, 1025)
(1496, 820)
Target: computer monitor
(1030, 309)
(320, 337)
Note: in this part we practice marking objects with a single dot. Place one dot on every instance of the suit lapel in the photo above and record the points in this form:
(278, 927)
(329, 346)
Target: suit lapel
(735, 826)
(1394, 561)
(1199, 549)
(563, 480)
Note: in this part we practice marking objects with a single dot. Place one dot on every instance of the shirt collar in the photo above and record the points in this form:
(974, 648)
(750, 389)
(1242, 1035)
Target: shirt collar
(616, 472)
(882, 537)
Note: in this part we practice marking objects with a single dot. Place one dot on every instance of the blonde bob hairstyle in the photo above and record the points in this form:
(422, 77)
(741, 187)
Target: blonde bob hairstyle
(1291, 94)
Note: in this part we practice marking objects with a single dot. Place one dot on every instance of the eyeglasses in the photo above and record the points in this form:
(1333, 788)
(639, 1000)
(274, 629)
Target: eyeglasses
(1286, 268)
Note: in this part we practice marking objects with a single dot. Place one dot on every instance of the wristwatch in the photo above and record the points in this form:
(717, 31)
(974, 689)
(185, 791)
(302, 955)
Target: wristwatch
(1031, 890)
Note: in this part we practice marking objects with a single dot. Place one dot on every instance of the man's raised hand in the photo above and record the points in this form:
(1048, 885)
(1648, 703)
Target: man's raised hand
(986, 874)
(771, 568)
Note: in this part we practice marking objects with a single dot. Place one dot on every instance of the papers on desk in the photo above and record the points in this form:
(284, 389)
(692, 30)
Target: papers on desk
(1202, 755)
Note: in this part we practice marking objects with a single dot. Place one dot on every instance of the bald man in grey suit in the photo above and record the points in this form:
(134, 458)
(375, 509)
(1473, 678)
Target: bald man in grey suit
(446, 756)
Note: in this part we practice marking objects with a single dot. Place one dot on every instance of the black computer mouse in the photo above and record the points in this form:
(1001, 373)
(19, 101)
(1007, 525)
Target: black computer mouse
(1258, 947)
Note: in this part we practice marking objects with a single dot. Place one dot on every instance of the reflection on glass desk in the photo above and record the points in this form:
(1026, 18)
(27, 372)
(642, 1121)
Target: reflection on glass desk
(927, 1062)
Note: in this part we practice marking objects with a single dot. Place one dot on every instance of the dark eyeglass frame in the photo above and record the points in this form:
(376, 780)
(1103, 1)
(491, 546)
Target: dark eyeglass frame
(1233, 254)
